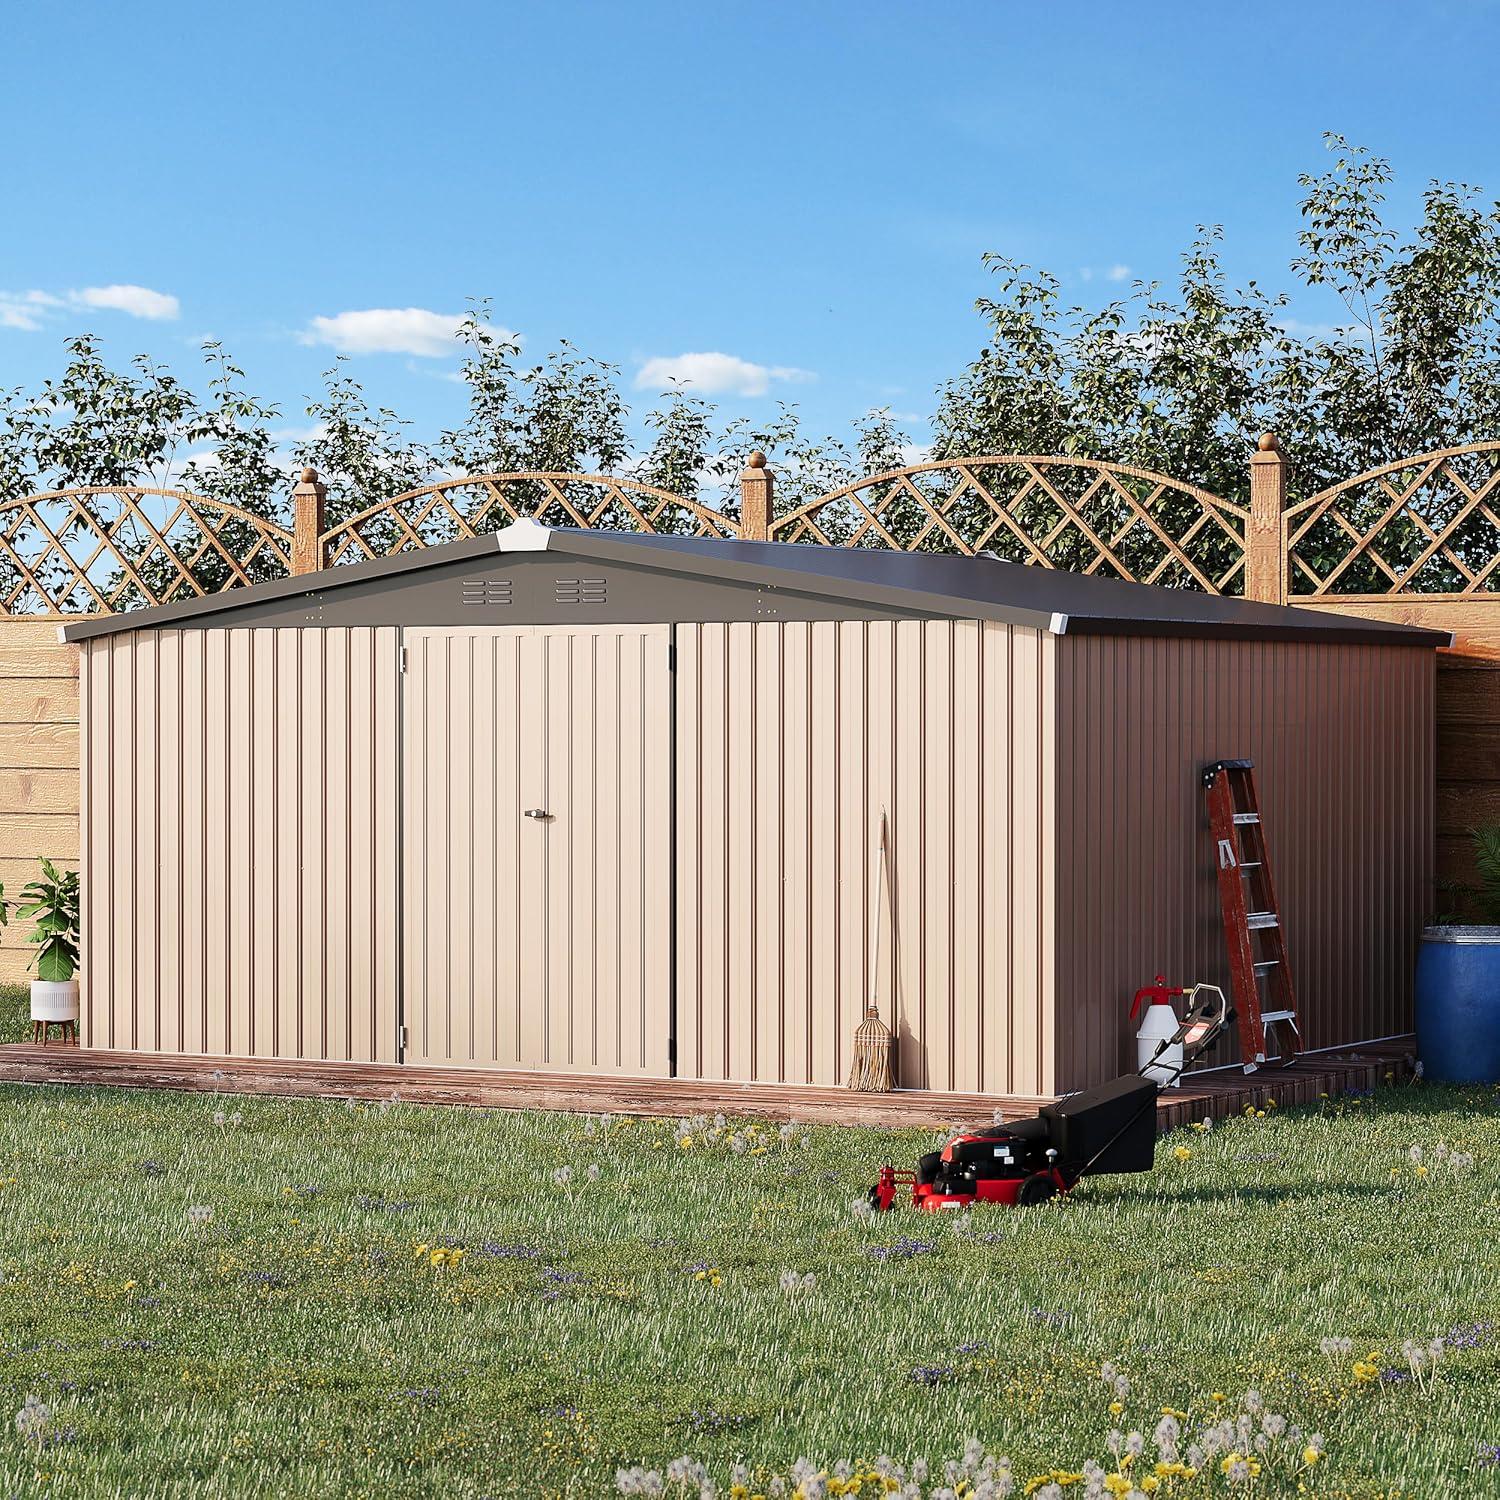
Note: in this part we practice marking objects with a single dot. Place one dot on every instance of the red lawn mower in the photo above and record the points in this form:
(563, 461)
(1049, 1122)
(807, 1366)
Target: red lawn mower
(1111, 1128)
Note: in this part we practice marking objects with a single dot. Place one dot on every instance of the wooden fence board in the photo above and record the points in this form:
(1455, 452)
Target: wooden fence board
(53, 745)
(38, 763)
(46, 700)
(39, 790)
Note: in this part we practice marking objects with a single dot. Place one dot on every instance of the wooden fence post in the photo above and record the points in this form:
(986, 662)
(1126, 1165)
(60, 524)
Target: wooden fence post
(310, 520)
(1265, 563)
(757, 500)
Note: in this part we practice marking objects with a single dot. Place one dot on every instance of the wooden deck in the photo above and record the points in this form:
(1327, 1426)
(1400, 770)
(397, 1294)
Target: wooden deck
(1215, 1095)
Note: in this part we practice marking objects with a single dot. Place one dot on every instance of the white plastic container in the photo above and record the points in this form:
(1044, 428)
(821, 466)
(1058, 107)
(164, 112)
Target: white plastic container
(54, 1000)
(1159, 1023)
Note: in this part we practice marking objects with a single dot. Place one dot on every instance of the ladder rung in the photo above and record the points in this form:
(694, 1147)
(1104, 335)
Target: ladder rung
(1262, 964)
(1268, 1016)
(1258, 921)
(1250, 864)
(1247, 817)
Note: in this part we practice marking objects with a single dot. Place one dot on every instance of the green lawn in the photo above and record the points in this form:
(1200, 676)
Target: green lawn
(15, 1013)
(241, 1307)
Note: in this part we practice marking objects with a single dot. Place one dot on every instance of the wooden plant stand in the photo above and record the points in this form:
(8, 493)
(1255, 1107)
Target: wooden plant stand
(40, 1030)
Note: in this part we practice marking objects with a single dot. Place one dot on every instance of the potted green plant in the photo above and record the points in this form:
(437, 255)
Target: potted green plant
(1458, 976)
(50, 904)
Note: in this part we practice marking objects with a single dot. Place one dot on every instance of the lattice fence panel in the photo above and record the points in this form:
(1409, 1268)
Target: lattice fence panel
(1427, 525)
(1108, 520)
(99, 551)
(478, 505)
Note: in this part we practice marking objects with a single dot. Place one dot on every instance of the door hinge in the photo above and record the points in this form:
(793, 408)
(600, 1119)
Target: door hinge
(403, 658)
(671, 656)
(403, 1038)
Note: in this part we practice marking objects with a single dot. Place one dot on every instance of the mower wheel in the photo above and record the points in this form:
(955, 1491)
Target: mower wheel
(1037, 1188)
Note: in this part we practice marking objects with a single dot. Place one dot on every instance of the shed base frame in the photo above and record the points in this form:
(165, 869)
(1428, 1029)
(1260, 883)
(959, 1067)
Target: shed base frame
(1339, 1070)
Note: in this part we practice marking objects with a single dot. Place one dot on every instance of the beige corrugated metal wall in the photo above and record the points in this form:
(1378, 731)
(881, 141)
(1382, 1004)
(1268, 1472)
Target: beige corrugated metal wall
(1343, 744)
(791, 739)
(538, 942)
(239, 842)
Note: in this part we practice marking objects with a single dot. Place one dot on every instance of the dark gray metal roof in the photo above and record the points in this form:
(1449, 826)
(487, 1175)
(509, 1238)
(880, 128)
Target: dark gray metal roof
(921, 583)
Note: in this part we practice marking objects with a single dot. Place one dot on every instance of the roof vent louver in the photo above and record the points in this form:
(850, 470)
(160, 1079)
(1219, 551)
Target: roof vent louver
(485, 591)
(580, 591)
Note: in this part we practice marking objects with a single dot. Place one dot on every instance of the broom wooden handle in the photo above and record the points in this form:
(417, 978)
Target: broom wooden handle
(878, 884)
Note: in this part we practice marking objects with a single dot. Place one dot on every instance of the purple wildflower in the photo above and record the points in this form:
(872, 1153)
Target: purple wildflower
(901, 1249)
(1469, 1335)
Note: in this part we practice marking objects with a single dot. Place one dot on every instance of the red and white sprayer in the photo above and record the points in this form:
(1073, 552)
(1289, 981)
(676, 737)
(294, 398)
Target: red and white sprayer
(1162, 1063)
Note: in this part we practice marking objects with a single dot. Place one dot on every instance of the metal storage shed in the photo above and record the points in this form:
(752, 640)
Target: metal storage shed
(598, 802)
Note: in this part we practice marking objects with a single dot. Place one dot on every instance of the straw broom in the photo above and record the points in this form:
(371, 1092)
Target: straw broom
(873, 1069)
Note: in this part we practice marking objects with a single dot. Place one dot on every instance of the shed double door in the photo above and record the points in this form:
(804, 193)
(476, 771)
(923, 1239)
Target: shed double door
(536, 919)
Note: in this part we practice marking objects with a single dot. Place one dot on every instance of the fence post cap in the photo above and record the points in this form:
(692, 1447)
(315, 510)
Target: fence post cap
(757, 459)
(309, 475)
(1269, 443)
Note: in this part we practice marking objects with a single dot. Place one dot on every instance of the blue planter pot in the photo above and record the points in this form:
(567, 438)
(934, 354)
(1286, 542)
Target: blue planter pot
(1458, 1004)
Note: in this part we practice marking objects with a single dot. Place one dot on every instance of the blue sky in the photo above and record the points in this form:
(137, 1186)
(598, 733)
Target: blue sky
(802, 189)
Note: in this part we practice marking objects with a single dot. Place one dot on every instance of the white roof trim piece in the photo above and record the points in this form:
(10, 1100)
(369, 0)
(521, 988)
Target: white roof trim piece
(1059, 625)
(525, 535)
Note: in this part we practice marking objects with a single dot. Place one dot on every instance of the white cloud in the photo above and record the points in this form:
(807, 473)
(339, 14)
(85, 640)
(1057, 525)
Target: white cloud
(715, 374)
(1325, 331)
(28, 311)
(137, 301)
(307, 433)
(25, 310)
(1117, 272)
(390, 330)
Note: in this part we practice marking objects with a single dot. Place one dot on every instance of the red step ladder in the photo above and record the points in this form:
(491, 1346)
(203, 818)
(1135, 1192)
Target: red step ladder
(1252, 920)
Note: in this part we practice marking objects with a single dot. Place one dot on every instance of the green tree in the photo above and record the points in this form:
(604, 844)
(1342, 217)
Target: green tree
(361, 452)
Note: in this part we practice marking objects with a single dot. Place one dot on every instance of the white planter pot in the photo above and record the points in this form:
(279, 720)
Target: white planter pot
(54, 1000)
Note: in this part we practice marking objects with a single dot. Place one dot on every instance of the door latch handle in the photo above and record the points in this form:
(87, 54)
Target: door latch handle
(539, 813)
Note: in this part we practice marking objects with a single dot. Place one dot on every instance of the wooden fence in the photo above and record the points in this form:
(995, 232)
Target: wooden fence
(1417, 540)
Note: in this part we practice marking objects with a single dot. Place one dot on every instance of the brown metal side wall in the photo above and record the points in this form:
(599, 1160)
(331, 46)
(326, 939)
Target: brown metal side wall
(239, 842)
(1343, 743)
(791, 739)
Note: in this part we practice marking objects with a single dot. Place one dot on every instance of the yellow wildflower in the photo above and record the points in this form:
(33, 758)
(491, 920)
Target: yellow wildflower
(1365, 1370)
(1183, 1153)
(1251, 1463)
(1218, 1396)
(1116, 1407)
(1117, 1484)
(1149, 1484)
(1310, 1456)
(421, 1250)
(685, 1141)
(1420, 1170)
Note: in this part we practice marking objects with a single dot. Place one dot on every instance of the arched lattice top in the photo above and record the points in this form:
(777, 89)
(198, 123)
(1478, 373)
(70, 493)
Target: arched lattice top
(477, 504)
(102, 549)
(1083, 515)
(1426, 525)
